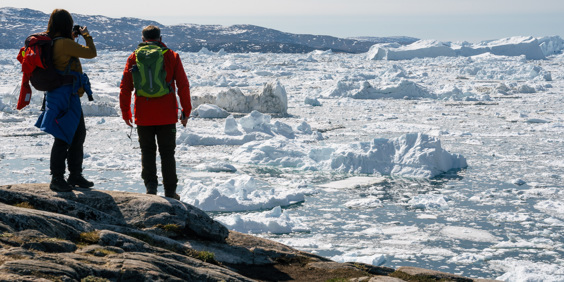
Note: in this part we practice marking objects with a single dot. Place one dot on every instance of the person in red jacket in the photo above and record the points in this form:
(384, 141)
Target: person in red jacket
(156, 118)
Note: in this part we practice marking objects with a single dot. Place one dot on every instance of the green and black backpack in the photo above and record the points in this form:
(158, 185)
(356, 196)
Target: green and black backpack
(149, 76)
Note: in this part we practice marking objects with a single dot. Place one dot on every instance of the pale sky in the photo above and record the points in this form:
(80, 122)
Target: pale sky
(446, 20)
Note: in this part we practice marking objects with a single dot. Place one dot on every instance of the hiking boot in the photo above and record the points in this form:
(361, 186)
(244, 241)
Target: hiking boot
(175, 196)
(151, 188)
(80, 181)
(58, 184)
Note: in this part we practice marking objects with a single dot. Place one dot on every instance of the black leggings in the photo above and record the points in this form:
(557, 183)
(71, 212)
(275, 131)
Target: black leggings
(73, 153)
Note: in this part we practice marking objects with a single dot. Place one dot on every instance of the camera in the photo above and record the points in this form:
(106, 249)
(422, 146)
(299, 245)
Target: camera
(76, 30)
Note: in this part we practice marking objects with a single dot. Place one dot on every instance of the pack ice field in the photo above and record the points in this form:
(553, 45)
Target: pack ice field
(453, 163)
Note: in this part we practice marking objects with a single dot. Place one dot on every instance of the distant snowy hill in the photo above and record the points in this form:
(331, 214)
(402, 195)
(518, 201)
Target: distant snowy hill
(125, 33)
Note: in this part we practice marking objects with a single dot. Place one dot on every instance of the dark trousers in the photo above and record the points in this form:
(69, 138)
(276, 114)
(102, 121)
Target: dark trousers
(166, 139)
(73, 153)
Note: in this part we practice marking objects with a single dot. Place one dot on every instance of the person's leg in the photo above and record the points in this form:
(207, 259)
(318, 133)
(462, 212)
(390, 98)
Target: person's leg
(57, 166)
(166, 138)
(75, 157)
(148, 157)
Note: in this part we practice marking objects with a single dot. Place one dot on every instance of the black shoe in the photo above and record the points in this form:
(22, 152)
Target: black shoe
(80, 181)
(58, 184)
(175, 196)
(151, 188)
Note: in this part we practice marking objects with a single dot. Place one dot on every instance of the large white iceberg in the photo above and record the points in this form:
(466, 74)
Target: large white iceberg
(272, 99)
(412, 155)
(530, 47)
(418, 49)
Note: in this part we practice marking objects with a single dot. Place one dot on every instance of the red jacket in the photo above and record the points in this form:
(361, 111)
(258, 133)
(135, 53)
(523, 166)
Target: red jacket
(156, 111)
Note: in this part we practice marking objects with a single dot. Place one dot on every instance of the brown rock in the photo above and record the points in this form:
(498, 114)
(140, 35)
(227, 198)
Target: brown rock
(420, 273)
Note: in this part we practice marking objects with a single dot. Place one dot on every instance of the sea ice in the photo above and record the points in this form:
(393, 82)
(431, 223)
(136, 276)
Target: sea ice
(516, 134)
(526, 270)
(405, 89)
(467, 233)
(428, 201)
(242, 193)
(217, 167)
(552, 207)
(376, 259)
(364, 203)
(272, 99)
(312, 102)
(210, 111)
(411, 155)
(273, 221)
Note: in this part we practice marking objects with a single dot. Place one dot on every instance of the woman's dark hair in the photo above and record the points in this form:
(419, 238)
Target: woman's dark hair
(60, 24)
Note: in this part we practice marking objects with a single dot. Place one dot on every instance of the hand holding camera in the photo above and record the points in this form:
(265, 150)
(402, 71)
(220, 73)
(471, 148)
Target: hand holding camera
(79, 30)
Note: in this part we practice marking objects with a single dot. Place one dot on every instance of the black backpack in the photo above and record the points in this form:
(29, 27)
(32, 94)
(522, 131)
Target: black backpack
(44, 75)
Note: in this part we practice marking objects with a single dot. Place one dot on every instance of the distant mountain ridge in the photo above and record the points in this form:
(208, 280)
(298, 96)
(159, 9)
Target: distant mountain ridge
(123, 34)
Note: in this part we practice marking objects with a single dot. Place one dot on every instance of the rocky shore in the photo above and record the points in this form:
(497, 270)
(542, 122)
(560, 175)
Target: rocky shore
(97, 235)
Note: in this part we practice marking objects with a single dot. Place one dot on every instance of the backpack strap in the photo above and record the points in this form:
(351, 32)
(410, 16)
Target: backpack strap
(67, 74)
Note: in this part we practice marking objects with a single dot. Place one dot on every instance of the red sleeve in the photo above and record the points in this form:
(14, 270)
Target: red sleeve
(126, 88)
(25, 92)
(183, 86)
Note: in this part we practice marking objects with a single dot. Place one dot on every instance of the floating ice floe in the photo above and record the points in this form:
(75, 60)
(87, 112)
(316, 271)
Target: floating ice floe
(354, 182)
(276, 152)
(411, 155)
(5, 108)
(500, 68)
(243, 193)
(216, 167)
(376, 259)
(526, 270)
(470, 258)
(210, 111)
(231, 65)
(508, 217)
(519, 182)
(195, 139)
(273, 221)
(231, 126)
(470, 234)
(403, 89)
(312, 102)
(342, 88)
(552, 207)
(206, 51)
(453, 93)
(364, 203)
(99, 109)
(272, 99)
(255, 126)
(428, 201)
